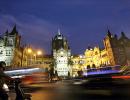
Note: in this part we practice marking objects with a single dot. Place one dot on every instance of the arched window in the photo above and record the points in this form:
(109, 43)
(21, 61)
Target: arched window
(10, 42)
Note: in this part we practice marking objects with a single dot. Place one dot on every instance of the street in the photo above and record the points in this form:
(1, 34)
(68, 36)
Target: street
(65, 90)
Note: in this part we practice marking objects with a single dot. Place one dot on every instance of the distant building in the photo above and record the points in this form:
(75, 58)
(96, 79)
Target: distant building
(78, 64)
(10, 48)
(43, 61)
(118, 49)
(61, 55)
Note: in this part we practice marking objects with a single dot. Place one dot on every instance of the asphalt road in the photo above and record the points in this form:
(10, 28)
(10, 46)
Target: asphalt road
(65, 90)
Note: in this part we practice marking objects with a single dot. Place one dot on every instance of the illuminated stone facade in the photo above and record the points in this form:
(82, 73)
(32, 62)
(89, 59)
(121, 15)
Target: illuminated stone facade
(95, 57)
(61, 55)
(10, 48)
(104, 58)
(116, 52)
(78, 64)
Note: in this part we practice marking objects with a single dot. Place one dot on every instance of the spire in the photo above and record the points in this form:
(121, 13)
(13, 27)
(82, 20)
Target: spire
(6, 33)
(109, 33)
(14, 31)
(123, 34)
(115, 36)
(14, 27)
(59, 32)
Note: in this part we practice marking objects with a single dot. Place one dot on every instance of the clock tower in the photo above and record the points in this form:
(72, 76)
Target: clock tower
(61, 55)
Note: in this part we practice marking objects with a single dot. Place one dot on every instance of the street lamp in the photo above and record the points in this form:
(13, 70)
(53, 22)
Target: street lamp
(22, 52)
(29, 51)
(38, 53)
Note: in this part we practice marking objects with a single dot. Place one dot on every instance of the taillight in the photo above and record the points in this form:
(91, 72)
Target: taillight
(122, 77)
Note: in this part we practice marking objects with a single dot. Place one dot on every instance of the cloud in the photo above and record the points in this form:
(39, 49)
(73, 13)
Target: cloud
(34, 30)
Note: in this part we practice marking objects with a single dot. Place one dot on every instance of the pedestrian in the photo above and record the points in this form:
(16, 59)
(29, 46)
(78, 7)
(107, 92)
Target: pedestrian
(3, 79)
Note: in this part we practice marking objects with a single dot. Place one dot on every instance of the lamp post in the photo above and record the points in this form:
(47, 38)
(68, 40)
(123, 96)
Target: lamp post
(22, 51)
(38, 53)
(34, 55)
(29, 51)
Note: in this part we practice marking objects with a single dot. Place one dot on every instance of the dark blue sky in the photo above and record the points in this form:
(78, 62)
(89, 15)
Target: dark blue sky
(83, 22)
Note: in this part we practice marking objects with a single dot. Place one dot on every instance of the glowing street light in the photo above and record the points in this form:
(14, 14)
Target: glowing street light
(37, 55)
(29, 56)
(34, 54)
(29, 50)
(39, 52)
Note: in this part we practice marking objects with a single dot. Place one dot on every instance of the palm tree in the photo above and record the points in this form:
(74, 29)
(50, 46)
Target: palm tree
(70, 63)
(52, 71)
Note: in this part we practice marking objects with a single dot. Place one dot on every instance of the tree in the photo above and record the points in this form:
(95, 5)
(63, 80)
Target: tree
(68, 74)
(70, 62)
(51, 69)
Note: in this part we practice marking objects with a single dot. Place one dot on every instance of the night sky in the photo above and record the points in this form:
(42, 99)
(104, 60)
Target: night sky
(83, 22)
